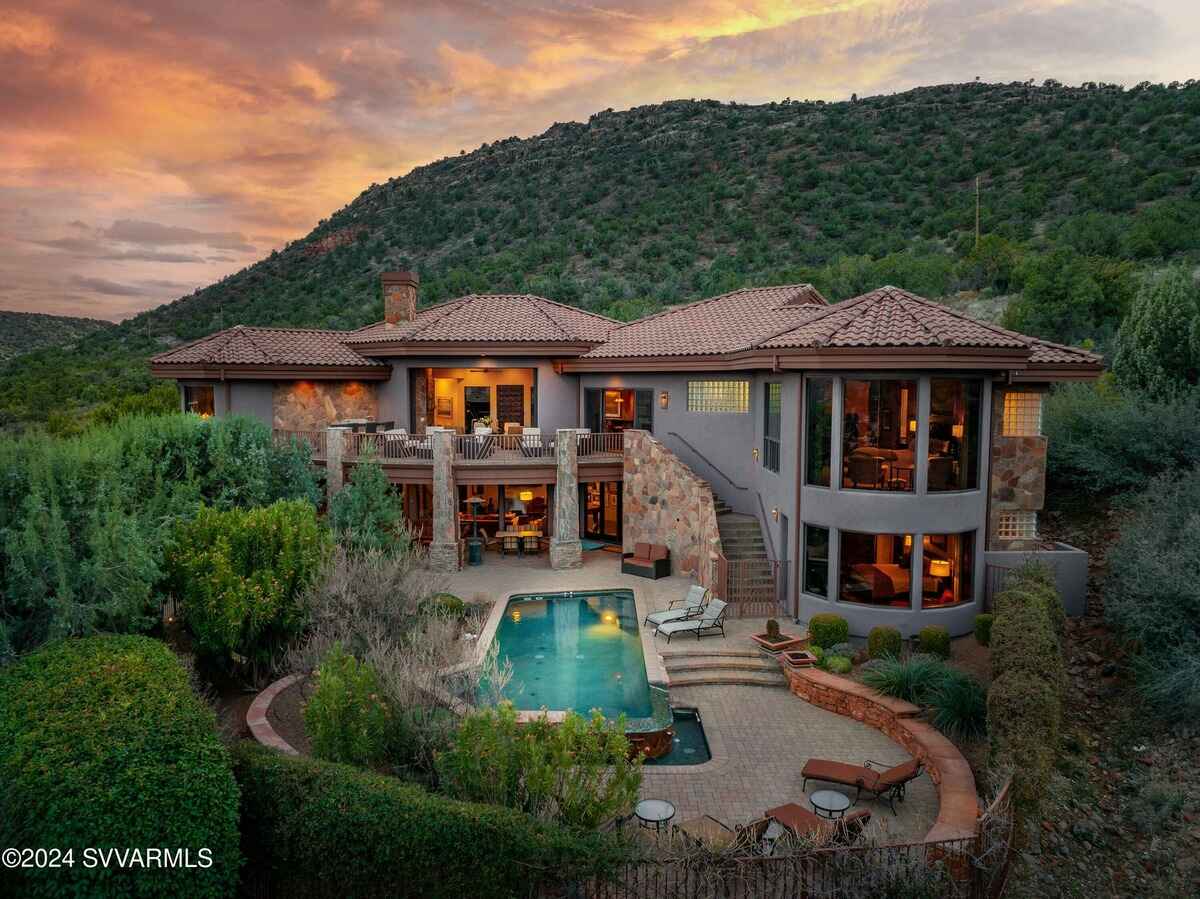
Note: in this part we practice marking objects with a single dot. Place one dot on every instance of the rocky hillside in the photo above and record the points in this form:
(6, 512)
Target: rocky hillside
(23, 332)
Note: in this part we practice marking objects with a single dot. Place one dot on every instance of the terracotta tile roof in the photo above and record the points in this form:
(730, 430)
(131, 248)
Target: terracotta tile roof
(493, 318)
(1047, 353)
(241, 345)
(733, 321)
(891, 317)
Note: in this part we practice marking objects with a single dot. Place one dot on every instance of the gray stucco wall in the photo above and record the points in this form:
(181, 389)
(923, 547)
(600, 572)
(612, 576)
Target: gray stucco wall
(1070, 571)
(557, 395)
(252, 398)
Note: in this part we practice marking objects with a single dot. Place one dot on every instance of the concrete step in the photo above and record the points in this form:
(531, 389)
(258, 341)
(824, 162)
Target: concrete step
(760, 665)
(674, 652)
(730, 679)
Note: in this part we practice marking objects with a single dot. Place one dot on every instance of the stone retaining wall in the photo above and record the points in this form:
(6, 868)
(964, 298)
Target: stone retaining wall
(958, 802)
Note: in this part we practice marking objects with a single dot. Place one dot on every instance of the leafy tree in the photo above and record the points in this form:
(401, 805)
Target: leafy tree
(1158, 346)
(366, 514)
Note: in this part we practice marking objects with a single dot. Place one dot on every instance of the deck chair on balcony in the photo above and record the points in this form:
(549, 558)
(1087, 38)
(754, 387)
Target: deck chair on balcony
(688, 607)
(532, 445)
(708, 621)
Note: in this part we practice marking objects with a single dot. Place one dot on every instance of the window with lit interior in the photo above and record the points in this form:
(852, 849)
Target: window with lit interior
(948, 569)
(818, 430)
(198, 399)
(876, 569)
(718, 396)
(954, 434)
(879, 434)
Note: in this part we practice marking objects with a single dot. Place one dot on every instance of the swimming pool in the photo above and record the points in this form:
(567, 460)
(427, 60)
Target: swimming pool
(579, 650)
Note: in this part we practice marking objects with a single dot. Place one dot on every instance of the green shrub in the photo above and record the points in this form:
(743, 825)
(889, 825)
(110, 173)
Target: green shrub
(366, 513)
(346, 718)
(307, 821)
(1152, 595)
(884, 641)
(983, 629)
(914, 679)
(103, 744)
(1156, 349)
(934, 640)
(959, 706)
(828, 630)
(578, 772)
(1022, 640)
(838, 664)
(239, 574)
(446, 604)
(1024, 719)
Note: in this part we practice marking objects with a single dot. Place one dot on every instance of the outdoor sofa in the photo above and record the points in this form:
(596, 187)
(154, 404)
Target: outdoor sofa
(647, 560)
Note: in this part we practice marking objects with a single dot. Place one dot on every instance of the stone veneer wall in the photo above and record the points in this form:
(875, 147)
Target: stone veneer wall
(665, 503)
(1018, 476)
(314, 405)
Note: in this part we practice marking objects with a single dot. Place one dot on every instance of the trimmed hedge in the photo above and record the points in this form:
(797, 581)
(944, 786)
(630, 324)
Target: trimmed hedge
(828, 630)
(883, 642)
(934, 640)
(1023, 640)
(983, 629)
(104, 744)
(326, 829)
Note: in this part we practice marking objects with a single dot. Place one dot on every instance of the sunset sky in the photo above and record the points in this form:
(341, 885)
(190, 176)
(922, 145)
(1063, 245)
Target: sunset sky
(147, 149)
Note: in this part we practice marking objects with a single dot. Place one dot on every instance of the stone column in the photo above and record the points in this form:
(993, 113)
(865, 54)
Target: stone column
(565, 549)
(444, 549)
(335, 452)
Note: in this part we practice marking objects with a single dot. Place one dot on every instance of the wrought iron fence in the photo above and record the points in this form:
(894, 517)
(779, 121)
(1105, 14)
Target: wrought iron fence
(995, 579)
(754, 588)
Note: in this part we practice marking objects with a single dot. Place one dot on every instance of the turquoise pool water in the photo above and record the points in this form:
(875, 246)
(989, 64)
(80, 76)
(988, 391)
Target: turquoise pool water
(578, 651)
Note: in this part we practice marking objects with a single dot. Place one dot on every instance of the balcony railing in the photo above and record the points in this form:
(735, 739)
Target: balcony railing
(315, 440)
(479, 449)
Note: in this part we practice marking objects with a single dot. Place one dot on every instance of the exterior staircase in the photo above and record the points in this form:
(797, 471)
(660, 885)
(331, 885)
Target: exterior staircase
(751, 574)
(699, 666)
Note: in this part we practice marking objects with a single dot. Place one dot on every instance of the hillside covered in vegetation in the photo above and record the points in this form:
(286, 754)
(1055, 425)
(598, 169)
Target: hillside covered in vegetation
(1079, 191)
(23, 332)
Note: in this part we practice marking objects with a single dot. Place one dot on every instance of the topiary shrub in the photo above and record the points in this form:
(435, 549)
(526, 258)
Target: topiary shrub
(772, 630)
(347, 718)
(884, 642)
(104, 744)
(838, 664)
(307, 821)
(959, 706)
(239, 574)
(1024, 716)
(914, 679)
(827, 630)
(983, 629)
(934, 640)
(1022, 640)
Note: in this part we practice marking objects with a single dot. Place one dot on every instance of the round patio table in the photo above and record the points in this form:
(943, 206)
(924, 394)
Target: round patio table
(656, 813)
(829, 803)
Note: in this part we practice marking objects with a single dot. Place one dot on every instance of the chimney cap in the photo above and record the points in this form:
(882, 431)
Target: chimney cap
(399, 278)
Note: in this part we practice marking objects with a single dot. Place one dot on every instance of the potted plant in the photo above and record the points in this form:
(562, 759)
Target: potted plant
(483, 425)
(798, 658)
(775, 642)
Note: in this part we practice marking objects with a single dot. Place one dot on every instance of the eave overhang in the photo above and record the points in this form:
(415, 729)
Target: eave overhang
(208, 372)
(421, 348)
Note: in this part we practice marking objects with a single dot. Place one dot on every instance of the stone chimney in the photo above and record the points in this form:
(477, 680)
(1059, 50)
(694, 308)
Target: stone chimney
(399, 296)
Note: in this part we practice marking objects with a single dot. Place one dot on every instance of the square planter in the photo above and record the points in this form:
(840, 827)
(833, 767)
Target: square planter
(781, 644)
(798, 658)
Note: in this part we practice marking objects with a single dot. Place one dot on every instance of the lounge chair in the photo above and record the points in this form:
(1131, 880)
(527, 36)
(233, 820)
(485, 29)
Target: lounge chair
(711, 619)
(802, 822)
(688, 607)
(882, 782)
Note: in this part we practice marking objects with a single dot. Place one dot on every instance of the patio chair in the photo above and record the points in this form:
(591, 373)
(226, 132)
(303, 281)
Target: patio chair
(711, 619)
(532, 545)
(511, 544)
(751, 838)
(688, 607)
(804, 823)
(879, 781)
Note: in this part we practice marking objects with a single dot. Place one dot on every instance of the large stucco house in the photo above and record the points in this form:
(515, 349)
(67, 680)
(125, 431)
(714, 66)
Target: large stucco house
(880, 457)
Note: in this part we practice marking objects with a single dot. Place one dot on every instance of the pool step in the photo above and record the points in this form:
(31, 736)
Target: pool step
(702, 650)
(717, 664)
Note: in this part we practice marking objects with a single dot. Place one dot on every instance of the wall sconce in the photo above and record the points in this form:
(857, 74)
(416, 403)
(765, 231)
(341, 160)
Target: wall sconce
(775, 514)
(908, 541)
(754, 453)
(912, 426)
(957, 431)
(664, 399)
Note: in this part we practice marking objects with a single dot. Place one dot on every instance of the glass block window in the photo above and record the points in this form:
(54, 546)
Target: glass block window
(1017, 526)
(718, 396)
(1022, 415)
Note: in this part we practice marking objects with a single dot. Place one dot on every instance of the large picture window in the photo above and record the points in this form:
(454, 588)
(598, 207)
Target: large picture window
(818, 430)
(876, 569)
(954, 434)
(198, 398)
(816, 560)
(879, 434)
(718, 396)
(772, 425)
(948, 569)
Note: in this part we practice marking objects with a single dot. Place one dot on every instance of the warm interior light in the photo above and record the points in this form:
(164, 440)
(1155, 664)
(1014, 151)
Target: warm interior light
(957, 431)
(908, 541)
(939, 567)
(912, 426)
(525, 495)
(664, 399)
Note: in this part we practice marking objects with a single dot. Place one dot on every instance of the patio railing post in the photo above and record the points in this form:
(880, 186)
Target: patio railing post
(335, 452)
(566, 551)
(444, 548)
